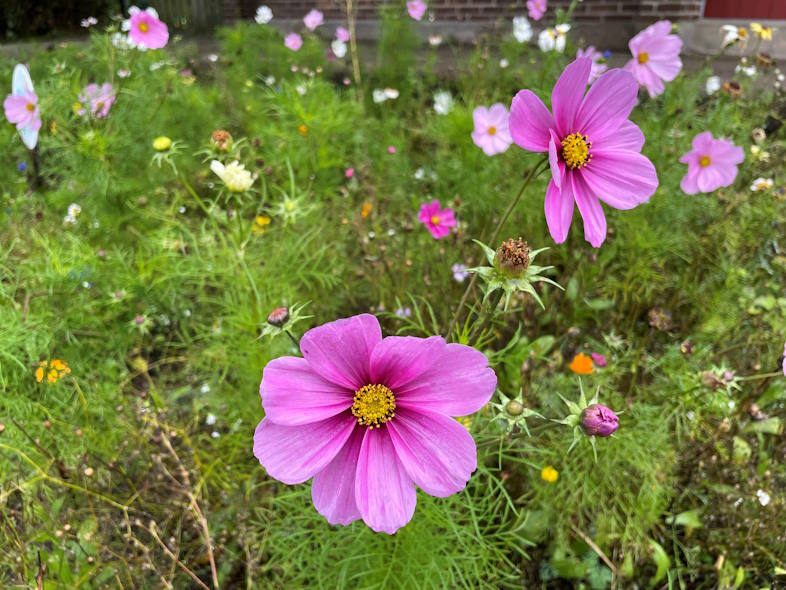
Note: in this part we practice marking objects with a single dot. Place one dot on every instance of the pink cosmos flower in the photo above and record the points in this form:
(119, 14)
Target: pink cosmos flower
(416, 9)
(438, 221)
(656, 57)
(100, 99)
(599, 360)
(21, 106)
(536, 8)
(369, 418)
(712, 164)
(293, 41)
(491, 132)
(145, 30)
(313, 19)
(598, 67)
(391, 149)
(342, 34)
(594, 150)
(349, 173)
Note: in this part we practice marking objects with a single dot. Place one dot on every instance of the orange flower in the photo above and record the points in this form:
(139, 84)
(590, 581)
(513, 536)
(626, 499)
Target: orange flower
(581, 364)
(53, 370)
(303, 130)
(366, 209)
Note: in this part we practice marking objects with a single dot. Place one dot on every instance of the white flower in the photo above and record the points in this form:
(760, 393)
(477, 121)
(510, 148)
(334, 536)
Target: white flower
(391, 93)
(503, 63)
(747, 70)
(215, 434)
(300, 89)
(89, 22)
(435, 40)
(339, 48)
(443, 102)
(759, 154)
(236, 178)
(74, 210)
(205, 388)
(761, 184)
(712, 85)
(123, 73)
(264, 15)
(270, 80)
(553, 39)
(378, 96)
(732, 34)
(212, 57)
(210, 420)
(121, 41)
(522, 30)
(764, 497)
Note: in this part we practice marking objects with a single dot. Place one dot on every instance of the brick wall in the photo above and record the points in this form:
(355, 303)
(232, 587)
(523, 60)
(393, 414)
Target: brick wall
(483, 10)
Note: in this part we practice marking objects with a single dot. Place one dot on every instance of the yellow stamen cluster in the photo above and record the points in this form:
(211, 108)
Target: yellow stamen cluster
(704, 161)
(373, 405)
(575, 150)
(435, 219)
(492, 130)
(643, 57)
(53, 370)
(30, 106)
(143, 27)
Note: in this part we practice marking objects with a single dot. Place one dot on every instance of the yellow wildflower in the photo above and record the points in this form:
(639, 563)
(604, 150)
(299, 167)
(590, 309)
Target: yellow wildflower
(549, 474)
(364, 212)
(52, 370)
(260, 224)
(762, 32)
(303, 130)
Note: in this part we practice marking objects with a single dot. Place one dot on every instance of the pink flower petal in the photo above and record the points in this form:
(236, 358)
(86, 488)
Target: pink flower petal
(398, 360)
(293, 394)
(459, 383)
(591, 211)
(689, 182)
(623, 179)
(340, 351)
(607, 104)
(333, 488)
(557, 166)
(437, 452)
(627, 136)
(293, 454)
(568, 93)
(530, 122)
(559, 210)
(384, 493)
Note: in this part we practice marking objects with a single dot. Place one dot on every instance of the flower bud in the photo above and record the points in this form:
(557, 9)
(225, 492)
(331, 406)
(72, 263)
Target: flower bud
(162, 143)
(598, 420)
(221, 140)
(514, 408)
(278, 317)
(512, 257)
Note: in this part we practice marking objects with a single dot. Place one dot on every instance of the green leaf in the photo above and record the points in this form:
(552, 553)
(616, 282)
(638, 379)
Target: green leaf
(772, 425)
(690, 519)
(662, 562)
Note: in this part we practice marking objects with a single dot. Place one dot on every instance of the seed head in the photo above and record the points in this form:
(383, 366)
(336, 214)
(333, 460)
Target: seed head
(221, 140)
(512, 257)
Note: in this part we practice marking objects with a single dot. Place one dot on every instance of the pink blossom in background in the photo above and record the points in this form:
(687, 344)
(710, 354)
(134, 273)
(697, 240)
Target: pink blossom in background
(342, 34)
(594, 149)
(391, 149)
(313, 19)
(145, 30)
(22, 110)
(438, 221)
(491, 133)
(349, 173)
(656, 57)
(598, 67)
(712, 164)
(536, 9)
(100, 98)
(368, 418)
(293, 41)
(599, 360)
(416, 9)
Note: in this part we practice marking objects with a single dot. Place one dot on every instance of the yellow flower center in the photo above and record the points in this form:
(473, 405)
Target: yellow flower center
(742, 32)
(492, 130)
(643, 57)
(704, 161)
(143, 27)
(30, 106)
(435, 219)
(373, 405)
(575, 150)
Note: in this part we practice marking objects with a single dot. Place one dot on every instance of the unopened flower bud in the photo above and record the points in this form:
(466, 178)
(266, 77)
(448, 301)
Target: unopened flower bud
(278, 317)
(598, 420)
(221, 140)
(514, 408)
(512, 257)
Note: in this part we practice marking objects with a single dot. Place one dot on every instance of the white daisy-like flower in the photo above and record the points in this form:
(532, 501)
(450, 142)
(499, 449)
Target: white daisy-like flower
(764, 497)
(235, 176)
(732, 34)
(712, 85)
(553, 39)
(443, 102)
(522, 30)
(264, 15)
(339, 48)
(762, 184)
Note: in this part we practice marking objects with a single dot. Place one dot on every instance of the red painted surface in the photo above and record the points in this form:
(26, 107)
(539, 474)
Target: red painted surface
(762, 9)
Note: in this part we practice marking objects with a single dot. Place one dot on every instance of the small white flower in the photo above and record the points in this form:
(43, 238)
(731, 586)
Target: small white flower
(764, 497)
(761, 184)
(235, 177)
(264, 15)
(215, 434)
(212, 57)
(378, 96)
(553, 39)
(435, 40)
(749, 71)
(74, 210)
(522, 30)
(210, 420)
(712, 85)
(89, 22)
(121, 41)
(300, 89)
(123, 73)
(339, 48)
(420, 174)
(503, 63)
(732, 34)
(391, 93)
(270, 80)
(205, 388)
(443, 102)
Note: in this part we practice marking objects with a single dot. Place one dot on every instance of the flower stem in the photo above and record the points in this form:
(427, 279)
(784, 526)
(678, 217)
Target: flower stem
(761, 376)
(488, 314)
(292, 338)
(536, 169)
(353, 50)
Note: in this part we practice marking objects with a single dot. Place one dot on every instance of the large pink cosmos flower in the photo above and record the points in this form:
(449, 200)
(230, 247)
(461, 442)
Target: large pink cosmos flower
(313, 19)
(370, 418)
(293, 41)
(416, 9)
(438, 221)
(536, 9)
(491, 133)
(712, 164)
(598, 67)
(145, 30)
(22, 110)
(656, 57)
(100, 99)
(594, 150)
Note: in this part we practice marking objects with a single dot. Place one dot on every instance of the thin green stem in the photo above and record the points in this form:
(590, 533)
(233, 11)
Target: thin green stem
(762, 376)
(488, 314)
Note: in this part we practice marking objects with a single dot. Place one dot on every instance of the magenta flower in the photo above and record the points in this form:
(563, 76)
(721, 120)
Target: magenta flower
(370, 418)
(594, 150)
(438, 221)
(293, 41)
(491, 133)
(313, 19)
(100, 99)
(416, 9)
(598, 67)
(21, 106)
(536, 8)
(342, 34)
(599, 360)
(656, 57)
(598, 420)
(145, 30)
(712, 163)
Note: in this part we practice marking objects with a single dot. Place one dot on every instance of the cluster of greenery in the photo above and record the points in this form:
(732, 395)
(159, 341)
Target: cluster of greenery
(157, 299)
